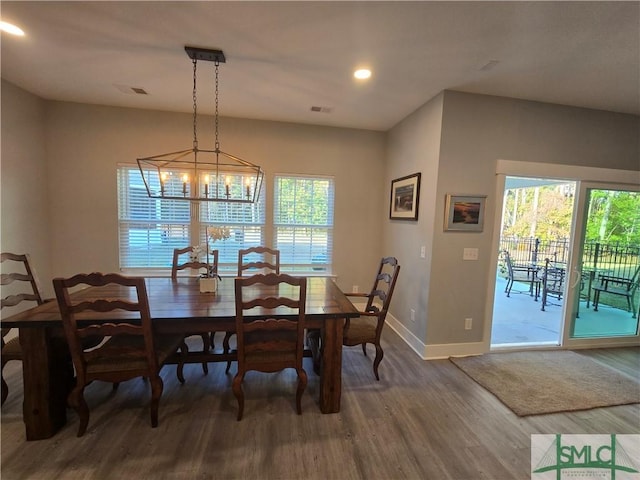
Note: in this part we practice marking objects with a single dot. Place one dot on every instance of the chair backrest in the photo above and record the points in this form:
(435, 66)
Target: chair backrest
(553, 275)
(21, 271)
(508, 263)
(177, 266)
(276, 339)
(85, 316)
(255, 258)
(28, 288)
(383, 286)
(635, 279)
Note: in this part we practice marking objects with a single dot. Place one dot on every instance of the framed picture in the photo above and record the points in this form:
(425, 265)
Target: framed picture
(405, 195)
(464, 213)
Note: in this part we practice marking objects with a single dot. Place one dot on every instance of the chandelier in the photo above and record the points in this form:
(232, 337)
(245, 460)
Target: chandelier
(197, 174)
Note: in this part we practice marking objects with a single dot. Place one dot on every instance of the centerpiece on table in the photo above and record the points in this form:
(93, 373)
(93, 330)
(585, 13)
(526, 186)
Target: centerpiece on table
(209, 280)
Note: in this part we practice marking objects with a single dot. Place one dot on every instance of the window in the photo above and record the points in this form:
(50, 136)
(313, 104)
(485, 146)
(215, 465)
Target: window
(303, 222)
(150, 228)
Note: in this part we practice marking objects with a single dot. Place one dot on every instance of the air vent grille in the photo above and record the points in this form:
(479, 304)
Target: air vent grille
(321, 109)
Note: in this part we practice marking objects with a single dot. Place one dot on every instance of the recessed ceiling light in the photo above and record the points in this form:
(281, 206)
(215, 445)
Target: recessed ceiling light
(362, 73)
(12, 29)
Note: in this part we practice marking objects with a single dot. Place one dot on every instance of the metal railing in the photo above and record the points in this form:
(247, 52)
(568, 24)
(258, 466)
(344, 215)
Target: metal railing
(598, 258)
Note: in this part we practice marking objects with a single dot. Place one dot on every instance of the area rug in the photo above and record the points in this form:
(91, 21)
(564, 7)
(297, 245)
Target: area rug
(534, 383)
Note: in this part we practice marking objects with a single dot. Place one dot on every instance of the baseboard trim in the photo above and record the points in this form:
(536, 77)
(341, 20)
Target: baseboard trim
(405, 334)
(433, 352)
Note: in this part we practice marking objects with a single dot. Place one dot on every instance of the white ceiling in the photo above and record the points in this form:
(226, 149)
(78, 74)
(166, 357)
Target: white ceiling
(284, 57)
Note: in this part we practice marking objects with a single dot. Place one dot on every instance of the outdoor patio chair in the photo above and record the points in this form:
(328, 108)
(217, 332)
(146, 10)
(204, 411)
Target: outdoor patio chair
(523, 274)
(625, 287)
(553, 281)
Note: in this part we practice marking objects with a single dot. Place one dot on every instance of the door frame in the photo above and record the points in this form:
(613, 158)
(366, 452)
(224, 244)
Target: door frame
(587, 175)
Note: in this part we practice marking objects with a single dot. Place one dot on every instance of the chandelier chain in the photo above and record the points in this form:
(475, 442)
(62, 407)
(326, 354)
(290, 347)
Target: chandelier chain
(217, 64)
(195, 105)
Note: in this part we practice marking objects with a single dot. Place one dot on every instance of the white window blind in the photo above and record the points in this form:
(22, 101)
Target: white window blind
(246, 227)
(150, 228)
(303, 222)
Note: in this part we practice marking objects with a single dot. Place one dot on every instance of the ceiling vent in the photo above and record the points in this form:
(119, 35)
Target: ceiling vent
(131, 90)
(321, 109)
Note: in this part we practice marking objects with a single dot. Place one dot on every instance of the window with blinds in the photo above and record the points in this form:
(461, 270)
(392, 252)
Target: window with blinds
(150, 228)
(303, 222)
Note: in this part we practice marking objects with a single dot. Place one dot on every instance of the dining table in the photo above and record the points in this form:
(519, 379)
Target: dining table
(177, 306)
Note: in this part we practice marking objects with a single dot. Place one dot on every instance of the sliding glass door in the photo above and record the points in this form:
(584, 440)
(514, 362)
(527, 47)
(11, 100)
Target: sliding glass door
(605, 266)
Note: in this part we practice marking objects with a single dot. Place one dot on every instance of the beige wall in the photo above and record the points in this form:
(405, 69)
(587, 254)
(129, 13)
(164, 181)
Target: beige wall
(414, 146)
(24, 187)
(476, 131)
(86, 142)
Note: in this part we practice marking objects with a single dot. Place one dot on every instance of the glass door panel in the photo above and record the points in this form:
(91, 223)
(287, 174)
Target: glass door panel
(606, 267)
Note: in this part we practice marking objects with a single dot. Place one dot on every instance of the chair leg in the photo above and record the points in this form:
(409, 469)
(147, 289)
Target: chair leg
(77, 402)
(5, 390)
(157, 385)
(364, 349)
(239, 394)
(205, 348)
(5, 387)
(378, 359)
(227, 349)
(302, 384)
(212, 343)
(184, 349)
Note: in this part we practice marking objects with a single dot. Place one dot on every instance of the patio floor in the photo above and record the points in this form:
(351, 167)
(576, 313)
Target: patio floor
(519, 320)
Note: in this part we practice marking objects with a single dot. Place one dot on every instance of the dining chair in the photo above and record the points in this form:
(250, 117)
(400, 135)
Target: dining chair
(130, 347)
(178, 264)
(275, 341)
(258, 258)
(367, 327)
(262, 259)
(208, 339)
(27, 290)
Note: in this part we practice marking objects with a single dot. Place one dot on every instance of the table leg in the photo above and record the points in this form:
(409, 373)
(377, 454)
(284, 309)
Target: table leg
(47, 376)
(331, 369)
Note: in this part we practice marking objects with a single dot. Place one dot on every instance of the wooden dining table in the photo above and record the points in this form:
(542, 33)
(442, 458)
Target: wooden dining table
(177, 306)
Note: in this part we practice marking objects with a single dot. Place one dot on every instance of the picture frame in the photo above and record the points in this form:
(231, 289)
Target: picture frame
(464, 213)
(405, 198)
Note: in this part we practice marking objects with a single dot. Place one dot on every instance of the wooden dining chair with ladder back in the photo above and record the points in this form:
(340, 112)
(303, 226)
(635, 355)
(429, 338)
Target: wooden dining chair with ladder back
(25, 289)
(253, 260)
(367, 328)
(275, 340)
(130, 349)
(179, 264)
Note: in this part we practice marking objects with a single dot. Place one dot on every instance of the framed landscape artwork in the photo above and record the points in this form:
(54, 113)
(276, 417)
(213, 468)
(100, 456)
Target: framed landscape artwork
(405, 195)
(464, 213)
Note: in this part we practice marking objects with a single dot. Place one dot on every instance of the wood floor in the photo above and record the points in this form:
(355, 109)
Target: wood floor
(423, 420)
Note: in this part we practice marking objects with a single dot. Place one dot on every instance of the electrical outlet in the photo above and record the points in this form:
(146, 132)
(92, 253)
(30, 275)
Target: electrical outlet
(355, 289)
(423, 251)
(468, 322)
(413, 315)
